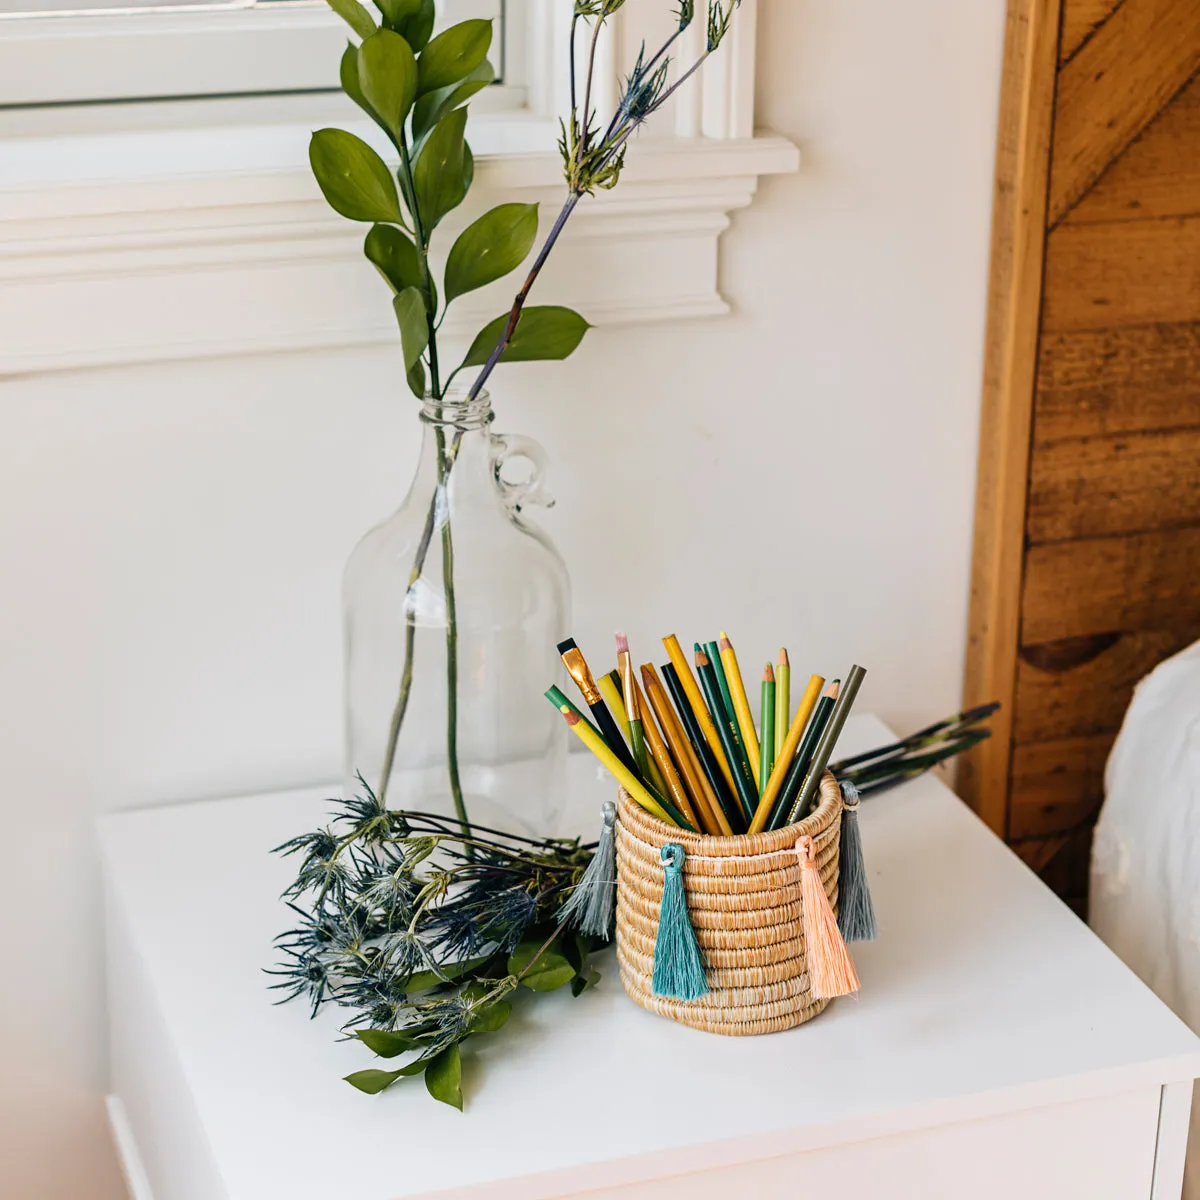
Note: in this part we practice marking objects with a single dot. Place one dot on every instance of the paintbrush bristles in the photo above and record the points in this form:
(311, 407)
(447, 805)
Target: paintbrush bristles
(622, 643)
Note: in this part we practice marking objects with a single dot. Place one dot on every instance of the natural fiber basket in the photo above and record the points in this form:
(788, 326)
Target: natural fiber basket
(743, 895)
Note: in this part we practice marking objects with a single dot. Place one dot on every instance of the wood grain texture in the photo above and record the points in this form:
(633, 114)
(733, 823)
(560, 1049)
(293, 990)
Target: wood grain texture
(1158, 175)
(1113, 88)
(1057, 786)
(1080, 19)
(1077, 687)
(1119, 483)
(1096, 382)
(1010, 360)
(1122, 273)
(1142, 581)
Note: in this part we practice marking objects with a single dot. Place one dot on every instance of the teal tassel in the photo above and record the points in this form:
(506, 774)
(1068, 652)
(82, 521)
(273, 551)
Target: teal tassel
(678, 971)
(856, 912)
(591, 905)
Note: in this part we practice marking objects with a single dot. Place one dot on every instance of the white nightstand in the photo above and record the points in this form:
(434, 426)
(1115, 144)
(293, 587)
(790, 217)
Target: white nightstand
(997, 1048)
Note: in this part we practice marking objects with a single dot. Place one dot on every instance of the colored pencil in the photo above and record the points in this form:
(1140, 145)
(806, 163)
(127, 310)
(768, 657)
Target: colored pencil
(798, 771)
(581, 673)
(591, 738)
(725, 800)
(637, 741)
(837, 719)
(704, 721)
(660, 759)
(741, 705)
(766, 802)
(612, 695)
(783, 701)
(767, 721)
(704, 800)
(714, 656)
(747, 793)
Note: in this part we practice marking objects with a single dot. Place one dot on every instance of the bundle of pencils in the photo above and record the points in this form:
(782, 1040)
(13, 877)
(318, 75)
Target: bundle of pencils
(878, 770)
(686, 747)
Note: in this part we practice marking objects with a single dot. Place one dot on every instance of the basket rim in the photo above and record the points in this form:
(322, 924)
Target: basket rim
(740, 845)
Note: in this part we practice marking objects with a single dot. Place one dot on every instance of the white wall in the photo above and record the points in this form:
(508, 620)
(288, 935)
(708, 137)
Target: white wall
(171, 537)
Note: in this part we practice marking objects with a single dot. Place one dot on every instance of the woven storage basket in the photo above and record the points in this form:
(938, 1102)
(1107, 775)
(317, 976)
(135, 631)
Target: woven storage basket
(743, 894)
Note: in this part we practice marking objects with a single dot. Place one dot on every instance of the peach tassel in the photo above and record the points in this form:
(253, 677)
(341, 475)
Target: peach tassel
(830, 969)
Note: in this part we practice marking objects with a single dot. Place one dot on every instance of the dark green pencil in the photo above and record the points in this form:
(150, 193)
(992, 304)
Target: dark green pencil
(714, 657)
(708, 761)
(824, 751)
(804, 755)
(725, 726)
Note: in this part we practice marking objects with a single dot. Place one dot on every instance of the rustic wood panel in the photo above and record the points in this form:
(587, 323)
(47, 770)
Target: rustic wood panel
(1095, 382)
(1063, 862)
(1122, 273)
(1158, 175)
(1141, 581)
(1081, 686)
(1080, 19)
(1122, 483)
(1010, 360)
(1057, 786)
(1114, 86)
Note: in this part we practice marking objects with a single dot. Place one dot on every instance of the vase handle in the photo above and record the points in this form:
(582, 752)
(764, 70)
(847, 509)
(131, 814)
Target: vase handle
(532, 490)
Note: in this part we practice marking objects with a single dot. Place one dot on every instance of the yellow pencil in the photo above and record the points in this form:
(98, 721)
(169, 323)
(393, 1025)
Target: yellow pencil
(612, 697)
(599, 747)
(691, 689)
(704, 802)
(762, 814)
(741, 705)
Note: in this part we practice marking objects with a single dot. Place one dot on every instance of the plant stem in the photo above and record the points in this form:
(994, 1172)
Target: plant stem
(519, 303)
(451, 638)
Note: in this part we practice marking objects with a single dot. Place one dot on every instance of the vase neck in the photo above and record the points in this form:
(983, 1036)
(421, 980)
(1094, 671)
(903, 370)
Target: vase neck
(457, 411)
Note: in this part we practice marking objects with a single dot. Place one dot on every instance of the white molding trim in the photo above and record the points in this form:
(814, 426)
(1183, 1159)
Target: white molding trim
(233, 260)
(128, 1155)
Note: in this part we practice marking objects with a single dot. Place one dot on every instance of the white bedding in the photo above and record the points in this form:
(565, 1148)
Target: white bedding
(1145, 886)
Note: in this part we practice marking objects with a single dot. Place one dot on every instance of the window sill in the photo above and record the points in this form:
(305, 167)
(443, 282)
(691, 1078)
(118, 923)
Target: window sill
(154, 245)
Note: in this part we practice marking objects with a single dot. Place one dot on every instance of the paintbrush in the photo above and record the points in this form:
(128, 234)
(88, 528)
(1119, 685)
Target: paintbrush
(581, 673)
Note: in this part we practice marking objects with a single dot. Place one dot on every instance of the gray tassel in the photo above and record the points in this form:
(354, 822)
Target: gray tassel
(591, 906)
(856, 912)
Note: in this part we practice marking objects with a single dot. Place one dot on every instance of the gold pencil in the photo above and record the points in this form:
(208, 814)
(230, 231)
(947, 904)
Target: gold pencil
(766, 801)
(741, 705)
(691, 690)
(660, 757)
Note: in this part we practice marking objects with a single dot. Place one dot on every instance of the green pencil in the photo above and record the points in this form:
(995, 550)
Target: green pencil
(798, 771)
(767, 721)
(747, 795)
(726, 698)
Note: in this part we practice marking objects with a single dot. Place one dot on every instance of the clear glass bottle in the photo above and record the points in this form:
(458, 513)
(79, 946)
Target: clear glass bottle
(454, 606)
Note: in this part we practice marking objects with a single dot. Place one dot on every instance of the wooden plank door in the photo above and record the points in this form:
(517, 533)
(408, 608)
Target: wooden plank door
(1087, 545)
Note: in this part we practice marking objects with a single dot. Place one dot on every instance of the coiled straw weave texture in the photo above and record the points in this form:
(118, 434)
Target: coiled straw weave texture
(743, 894)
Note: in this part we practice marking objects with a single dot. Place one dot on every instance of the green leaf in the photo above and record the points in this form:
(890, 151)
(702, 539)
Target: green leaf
(348, 74)
(353, 178)
(581, 983)
(427, 979)
(468, 168)
(438, 176)
(489, 1019)
(542, 333)
(548, 972)
(373, 1082)
(355, 15)
(387, 76)
(443, 1077)
(416, 385)
(394, 256)
(490, 247)
(385, 1044)
(453, 55)
(431, 108)
(411, 19)
(414, 324)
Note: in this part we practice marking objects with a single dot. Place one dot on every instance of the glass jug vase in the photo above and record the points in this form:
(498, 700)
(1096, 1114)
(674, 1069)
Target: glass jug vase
(453, 608)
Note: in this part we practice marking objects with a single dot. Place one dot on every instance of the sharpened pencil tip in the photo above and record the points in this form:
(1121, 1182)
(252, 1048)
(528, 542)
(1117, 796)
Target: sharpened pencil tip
(622, 643)
(572, 718)
(784, 661)
(768, 674)
(832, 688)
(569, 644)
(701, 657)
